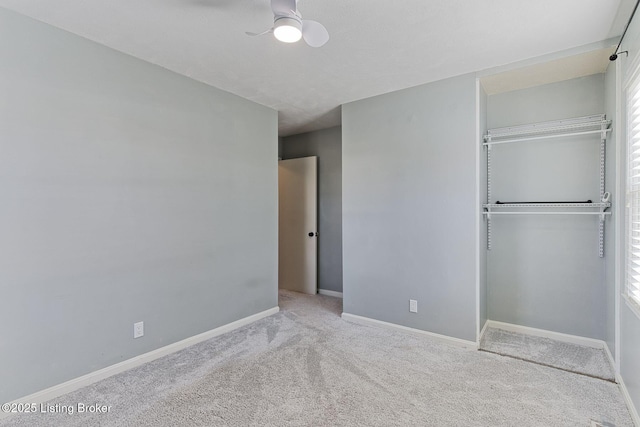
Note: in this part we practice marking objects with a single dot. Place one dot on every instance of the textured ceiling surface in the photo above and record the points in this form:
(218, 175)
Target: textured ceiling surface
(375, 47)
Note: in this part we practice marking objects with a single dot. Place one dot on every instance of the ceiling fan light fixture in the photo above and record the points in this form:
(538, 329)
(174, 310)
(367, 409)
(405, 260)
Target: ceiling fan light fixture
(287, 30)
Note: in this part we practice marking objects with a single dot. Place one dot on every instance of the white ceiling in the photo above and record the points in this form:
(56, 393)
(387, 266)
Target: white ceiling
(375, 47)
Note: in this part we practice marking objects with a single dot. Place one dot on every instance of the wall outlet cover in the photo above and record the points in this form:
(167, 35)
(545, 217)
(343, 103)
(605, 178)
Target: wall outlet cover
(413, 306)
(138, 329)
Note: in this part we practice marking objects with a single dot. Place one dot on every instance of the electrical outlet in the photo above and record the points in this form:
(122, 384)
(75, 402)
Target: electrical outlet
(138, 329)
(413, 306)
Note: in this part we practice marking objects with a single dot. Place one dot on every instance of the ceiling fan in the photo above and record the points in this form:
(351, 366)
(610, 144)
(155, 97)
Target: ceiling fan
(289, 27)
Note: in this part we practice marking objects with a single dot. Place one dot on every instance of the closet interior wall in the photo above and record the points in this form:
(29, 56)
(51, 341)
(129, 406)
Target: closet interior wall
(543, 271)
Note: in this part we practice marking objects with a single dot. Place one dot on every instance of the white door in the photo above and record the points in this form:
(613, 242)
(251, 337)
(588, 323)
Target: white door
(297, 235)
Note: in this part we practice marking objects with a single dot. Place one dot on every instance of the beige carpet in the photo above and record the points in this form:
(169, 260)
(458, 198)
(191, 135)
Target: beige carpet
(305, 366)
(569, 357)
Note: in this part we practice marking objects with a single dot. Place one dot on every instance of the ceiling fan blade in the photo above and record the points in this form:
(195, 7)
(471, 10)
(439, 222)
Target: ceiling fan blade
(314, 33)
(283, 7)
(249, 33)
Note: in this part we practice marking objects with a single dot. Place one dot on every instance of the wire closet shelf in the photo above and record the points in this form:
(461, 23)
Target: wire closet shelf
(587, 125)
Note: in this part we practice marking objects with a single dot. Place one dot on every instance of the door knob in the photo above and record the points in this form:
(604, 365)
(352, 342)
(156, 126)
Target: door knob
(311, 234)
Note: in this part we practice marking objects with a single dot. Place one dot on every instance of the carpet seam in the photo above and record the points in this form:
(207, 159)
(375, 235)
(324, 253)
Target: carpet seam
(613, 381)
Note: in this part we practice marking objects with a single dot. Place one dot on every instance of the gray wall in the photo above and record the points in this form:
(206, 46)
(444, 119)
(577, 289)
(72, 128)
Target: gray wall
(544, 271)
(610, 185)
(482, 183)
(327, 146)
(409, 207)
(129, 193)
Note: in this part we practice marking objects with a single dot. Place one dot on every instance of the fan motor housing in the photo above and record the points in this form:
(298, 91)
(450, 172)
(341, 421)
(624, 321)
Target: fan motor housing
(287, 29)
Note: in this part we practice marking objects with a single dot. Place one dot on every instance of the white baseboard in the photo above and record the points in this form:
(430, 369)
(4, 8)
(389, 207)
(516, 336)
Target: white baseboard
(572, 339)
(93, 377)
(367, 321)
(330, 293)
(627, 398)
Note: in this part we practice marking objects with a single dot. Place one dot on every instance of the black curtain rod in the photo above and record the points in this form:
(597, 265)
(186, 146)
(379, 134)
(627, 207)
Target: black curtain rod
(615, 54)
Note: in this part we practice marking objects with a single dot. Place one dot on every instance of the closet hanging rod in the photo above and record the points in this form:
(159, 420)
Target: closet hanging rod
(547, 205)
(545, 213)
(542, 203)
(532, 138)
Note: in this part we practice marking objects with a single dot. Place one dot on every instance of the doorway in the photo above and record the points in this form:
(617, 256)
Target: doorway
(297, 224)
